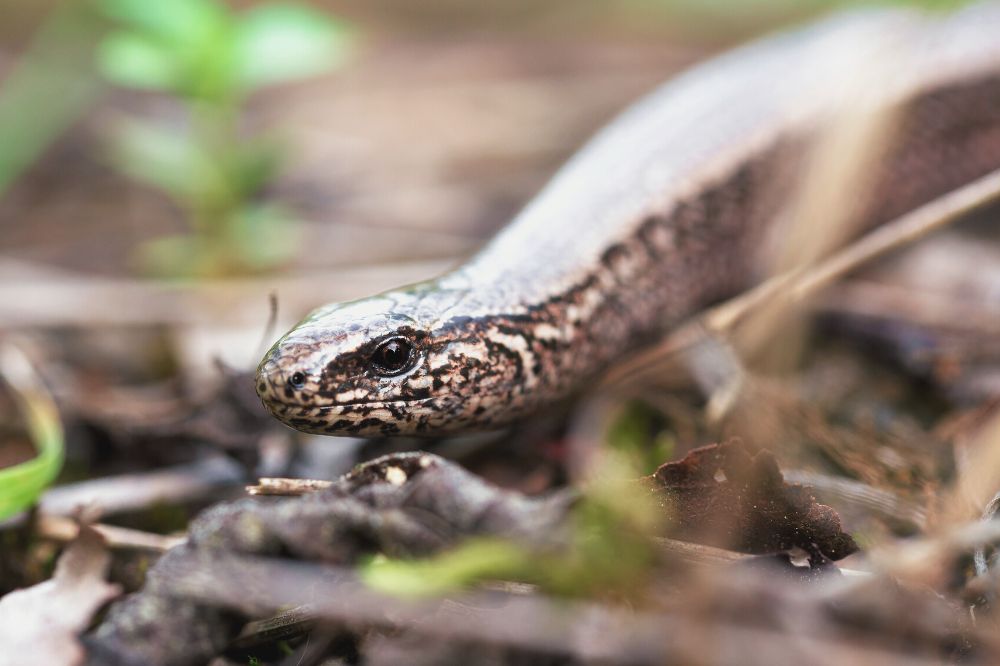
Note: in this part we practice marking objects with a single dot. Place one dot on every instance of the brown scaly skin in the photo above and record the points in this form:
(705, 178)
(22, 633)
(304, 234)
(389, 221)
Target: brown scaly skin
(658, 216)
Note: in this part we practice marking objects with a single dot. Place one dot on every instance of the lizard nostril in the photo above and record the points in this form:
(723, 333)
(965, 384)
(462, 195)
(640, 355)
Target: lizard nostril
(267, 372)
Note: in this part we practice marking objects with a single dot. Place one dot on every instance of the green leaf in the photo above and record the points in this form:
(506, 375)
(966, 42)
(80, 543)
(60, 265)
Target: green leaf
(282, 42)
(177, 256)
(251, 240)
(47, 87)
(181, 46)
(470, 562)
(255, 163)
(636, 434)
(136, 61)
(164, 159)
(264, 237)
(175, 22)
(21, 485)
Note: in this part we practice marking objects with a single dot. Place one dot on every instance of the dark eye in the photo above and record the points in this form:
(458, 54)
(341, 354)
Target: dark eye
(392, 357)
(297, 380)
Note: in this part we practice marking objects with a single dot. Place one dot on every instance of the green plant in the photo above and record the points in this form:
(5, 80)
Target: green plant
(609, 546)
(211, 60)
(636, 434)
(23, 483)
(54, 66)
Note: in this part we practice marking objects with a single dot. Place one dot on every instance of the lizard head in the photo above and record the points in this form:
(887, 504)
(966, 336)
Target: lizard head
(387, 365)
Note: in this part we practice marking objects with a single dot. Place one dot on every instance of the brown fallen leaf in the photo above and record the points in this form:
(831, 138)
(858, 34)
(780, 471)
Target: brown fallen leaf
(39, 625)
(722, 495)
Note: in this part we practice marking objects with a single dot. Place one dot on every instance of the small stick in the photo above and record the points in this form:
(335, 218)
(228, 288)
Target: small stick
(800, 284)
(280, 486)
(561, 626)
(272, 323)
(63, 529)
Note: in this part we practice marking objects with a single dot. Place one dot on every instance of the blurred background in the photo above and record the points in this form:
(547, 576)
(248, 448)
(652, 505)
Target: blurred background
(290, 149)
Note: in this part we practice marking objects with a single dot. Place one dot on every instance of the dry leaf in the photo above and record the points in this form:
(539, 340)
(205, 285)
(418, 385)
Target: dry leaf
(40, 624)
(722, 495)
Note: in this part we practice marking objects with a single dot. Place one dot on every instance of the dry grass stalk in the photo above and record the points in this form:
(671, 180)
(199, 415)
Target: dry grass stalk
(798, 285)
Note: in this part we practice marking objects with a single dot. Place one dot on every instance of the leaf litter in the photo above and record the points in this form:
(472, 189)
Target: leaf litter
(41, 624)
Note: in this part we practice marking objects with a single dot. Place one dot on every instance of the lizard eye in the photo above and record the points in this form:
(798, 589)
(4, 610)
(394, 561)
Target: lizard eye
(392, 357)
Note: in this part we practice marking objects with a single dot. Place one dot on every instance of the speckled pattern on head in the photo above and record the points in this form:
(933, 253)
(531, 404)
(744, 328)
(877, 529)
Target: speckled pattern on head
(657, 216)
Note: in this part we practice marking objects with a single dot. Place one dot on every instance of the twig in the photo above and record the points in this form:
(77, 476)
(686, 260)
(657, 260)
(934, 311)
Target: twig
(280, 486)
(60, 528)
(272, 323)
(130, 492)
(698, 554)
(587, 631)
(68, 299)
(801, 284)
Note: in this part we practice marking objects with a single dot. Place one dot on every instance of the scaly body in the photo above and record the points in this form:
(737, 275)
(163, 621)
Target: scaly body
(657, 216)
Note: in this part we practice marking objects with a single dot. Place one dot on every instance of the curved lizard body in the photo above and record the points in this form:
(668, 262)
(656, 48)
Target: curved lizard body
(658, 216)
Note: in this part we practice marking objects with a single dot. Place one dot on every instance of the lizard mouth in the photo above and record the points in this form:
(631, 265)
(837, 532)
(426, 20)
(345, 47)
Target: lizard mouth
(373, 418)
(286, 410)
(375, 404)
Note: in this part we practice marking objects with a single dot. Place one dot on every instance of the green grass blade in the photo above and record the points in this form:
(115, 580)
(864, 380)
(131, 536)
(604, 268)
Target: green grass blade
(22, 484)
